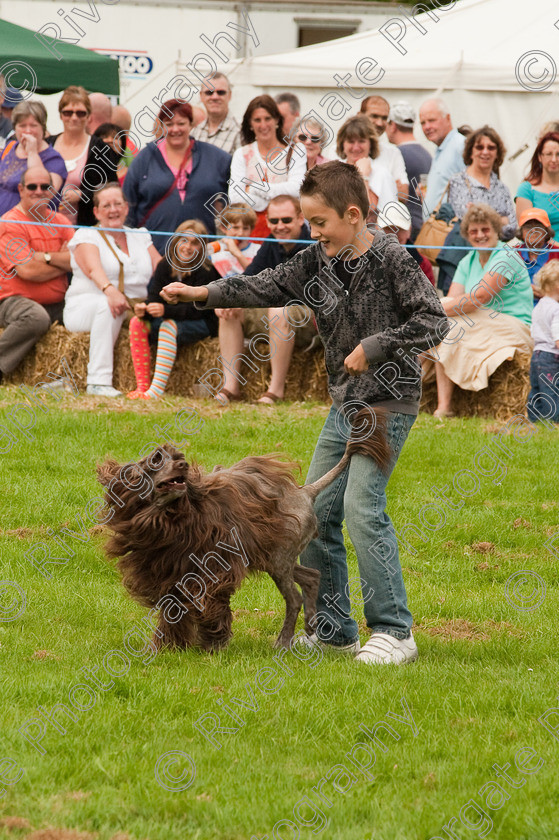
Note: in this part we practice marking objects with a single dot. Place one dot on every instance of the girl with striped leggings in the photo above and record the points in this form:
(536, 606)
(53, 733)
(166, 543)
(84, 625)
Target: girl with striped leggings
(171, 325)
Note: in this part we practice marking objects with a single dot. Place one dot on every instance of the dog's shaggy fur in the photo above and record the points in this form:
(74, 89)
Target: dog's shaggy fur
(176, 529)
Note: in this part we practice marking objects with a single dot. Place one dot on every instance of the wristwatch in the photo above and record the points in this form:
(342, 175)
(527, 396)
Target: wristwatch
(48, 258)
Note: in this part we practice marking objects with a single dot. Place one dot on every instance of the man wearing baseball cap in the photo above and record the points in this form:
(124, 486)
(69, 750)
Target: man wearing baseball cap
(537, 246)
(399, 130)
(396, 219)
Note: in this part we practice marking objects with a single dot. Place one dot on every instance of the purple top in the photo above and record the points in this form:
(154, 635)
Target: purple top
(13, 167)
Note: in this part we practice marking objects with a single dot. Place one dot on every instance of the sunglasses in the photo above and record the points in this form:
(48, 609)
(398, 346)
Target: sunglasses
(35, 187)
(285, 220)
(314, 138)
(211, 92)
(67, 112)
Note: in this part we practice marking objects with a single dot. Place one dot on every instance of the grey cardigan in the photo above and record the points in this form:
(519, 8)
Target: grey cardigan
(390, 308)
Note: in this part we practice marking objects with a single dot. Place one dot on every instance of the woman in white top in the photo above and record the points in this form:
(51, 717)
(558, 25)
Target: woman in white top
(266, 165)
(357, 143)
(93, 302)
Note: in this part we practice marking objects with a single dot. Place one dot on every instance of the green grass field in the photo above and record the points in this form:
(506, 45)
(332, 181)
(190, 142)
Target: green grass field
(488, 666)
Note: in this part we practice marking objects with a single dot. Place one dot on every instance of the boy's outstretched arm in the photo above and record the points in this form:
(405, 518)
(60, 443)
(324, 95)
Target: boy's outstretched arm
(175, 292)
(272, 287)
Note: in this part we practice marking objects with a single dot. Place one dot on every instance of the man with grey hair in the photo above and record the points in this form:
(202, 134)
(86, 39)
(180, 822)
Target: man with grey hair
(417, 160)
(434, 117)
(290, 109)
(220, 128)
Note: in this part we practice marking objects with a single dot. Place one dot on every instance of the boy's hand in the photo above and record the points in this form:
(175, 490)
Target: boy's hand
(356, 363)
(179, 291)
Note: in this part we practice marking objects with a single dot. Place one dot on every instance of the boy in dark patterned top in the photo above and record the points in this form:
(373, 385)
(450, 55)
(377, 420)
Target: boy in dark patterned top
(375, 311)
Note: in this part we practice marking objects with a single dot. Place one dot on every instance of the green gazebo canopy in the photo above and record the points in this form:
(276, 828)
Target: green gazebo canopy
(30, 59)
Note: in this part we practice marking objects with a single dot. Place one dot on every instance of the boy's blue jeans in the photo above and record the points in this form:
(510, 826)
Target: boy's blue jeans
(359, 496)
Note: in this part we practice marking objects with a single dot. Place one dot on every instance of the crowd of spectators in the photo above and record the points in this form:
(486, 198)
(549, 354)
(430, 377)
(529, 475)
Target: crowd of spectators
(145, 215)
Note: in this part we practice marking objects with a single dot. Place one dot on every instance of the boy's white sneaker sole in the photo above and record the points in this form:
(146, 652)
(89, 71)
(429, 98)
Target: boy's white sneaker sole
(383, 649)
(313, 640)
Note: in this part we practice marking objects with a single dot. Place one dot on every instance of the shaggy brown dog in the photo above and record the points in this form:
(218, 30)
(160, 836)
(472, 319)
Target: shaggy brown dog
(169, 520)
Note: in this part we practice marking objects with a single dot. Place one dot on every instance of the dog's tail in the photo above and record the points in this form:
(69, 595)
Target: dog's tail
(368, 437)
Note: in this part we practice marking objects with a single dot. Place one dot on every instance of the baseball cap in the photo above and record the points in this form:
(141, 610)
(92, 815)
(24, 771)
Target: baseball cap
(12, 97)
(535, 214)
(395, 215)
(402, 114)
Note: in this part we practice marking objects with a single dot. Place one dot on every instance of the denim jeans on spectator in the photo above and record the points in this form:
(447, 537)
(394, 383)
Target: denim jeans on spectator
(358, 495)
(544, 372)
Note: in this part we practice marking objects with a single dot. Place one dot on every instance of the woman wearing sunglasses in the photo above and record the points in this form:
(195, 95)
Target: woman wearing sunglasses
(314, 137)
(484, 153)
(29, 149)
(89, 161)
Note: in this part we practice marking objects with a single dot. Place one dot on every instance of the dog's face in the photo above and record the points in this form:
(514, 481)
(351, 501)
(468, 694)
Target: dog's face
(160, 478)
(169, 479)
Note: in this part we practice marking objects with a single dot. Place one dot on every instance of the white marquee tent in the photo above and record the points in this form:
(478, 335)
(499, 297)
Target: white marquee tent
(493, 61)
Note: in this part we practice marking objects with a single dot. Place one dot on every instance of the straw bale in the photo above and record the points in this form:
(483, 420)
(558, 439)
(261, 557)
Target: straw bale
(505, 396)
(306, 378)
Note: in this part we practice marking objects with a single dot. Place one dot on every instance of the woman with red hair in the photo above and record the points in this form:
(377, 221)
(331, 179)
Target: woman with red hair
(175, 178)
(541, 187)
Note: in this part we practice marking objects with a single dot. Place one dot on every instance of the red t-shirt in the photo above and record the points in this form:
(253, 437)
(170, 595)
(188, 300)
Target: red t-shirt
(17, 245)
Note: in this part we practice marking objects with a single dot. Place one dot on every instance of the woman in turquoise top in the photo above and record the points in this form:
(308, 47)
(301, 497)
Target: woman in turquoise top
(541, 187)
(490, 304)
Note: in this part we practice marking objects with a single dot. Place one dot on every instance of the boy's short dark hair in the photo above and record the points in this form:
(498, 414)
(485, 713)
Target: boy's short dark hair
(338, 184)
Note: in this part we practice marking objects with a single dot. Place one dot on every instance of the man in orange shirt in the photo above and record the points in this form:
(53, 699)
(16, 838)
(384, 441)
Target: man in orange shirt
(34, 260)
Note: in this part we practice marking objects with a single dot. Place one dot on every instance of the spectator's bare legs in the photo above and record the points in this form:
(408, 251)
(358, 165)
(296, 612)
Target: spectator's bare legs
(445, 387)
(282, 356)
(231, 337)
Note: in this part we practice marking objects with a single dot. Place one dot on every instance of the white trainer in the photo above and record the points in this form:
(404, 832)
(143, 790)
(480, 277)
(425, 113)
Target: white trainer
(103, 391)
(383, 649)
(312, 640)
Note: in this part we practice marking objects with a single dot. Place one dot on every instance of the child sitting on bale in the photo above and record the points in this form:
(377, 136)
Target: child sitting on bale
(230, 255)
(171, 325)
